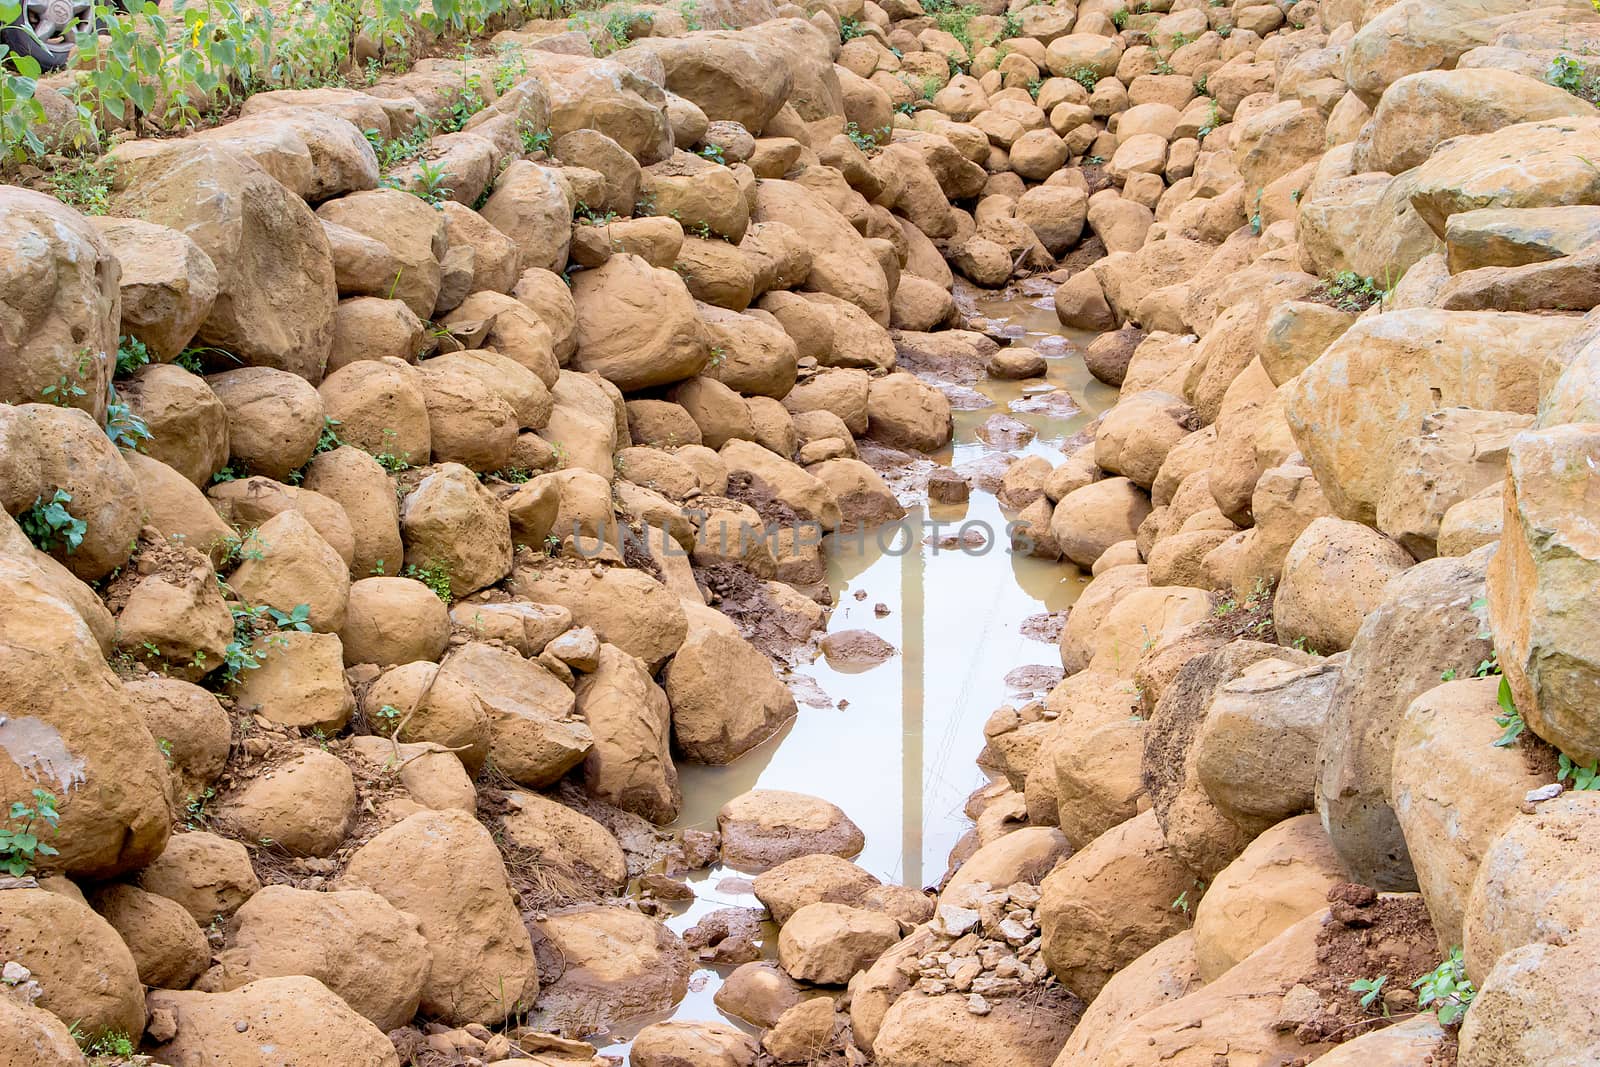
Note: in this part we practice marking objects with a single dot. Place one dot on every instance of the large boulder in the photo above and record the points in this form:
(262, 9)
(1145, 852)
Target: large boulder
(607, 965)
(729, 75)
(287, 564)
(534, 737)
(275, 419)
(275, 281)
(71, 730)
(1333, 577)
(85, 972)
(455, 528)
(352, 941)
(532, 205)
(444, 868)
(1454, 789)
(826, 943)
(188, 424)
(1092, 518)
(1280, 878)
(1547, 566)
(625, 608)
(78, 469)
(1533, 883)
(842, 264)
(1422, 110)
(1349, 409)
(636, 325)
(766, 827)
(1109, 903)
(1524, 1014)
(266, 1024)
(725, 698)
(209, 876)
(1429, 623)
(32, 1036)
(168, 284)
(943, 1031)
(305, 805)
(412, 231)
(1464, 174)
(168, 946)
(61, 313)
(630, 765)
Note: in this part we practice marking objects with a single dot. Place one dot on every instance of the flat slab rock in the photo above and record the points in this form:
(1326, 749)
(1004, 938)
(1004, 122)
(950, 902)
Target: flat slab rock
(765, 827)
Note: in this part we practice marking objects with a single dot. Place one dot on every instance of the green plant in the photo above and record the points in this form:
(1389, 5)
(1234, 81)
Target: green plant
(713, 152)
(1577, 775)
(131, 355)
(84, 182)
(1576, 78)
(1011, 25)
(1225, 31)
(592, 217)
(1509, 719)
(430, 185)
(534, 140)
(434, 575)
(1087, 77)
(195, 815)
(20, 847)
(328, 439)
(905, 108)
(388, 459)
(124, 426)
(690, 10)
(1349, 291)
(50, 525)
(1119, 18)
(954, 19)
(21, 114)
(867, 142)
(389, 717)
(1448, 987)
(299, 619)
(1182, 903)
(1370, 989)
(113, 1044)
(850, 29)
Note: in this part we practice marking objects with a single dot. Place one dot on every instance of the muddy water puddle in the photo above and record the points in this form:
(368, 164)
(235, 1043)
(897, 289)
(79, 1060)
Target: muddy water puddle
(894, 745)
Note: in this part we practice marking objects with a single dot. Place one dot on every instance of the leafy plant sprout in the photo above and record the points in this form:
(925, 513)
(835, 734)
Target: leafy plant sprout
(20, 844)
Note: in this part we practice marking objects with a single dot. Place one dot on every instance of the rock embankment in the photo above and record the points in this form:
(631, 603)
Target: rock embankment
(378, 541)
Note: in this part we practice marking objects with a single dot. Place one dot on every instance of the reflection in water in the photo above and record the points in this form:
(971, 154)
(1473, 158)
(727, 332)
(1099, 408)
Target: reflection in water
(897, 748)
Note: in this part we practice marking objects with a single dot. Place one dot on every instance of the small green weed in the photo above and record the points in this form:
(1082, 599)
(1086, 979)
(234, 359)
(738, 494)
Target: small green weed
(1370, 989)
(1509, 719)
(435, 575)
(20, 846)
(1349, 291)
(1448, 987)
(49, 525)
(131, 355)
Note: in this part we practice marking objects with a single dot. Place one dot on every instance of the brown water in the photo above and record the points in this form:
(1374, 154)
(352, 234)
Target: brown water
(896, 745)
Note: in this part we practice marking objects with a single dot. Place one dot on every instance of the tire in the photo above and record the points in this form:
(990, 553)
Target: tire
(51, 53)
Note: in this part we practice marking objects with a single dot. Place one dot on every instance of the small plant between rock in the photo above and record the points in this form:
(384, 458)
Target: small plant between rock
(49, 525)
(1349, 291)
(1371, 989)
(1447, 986)
(20, 846)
